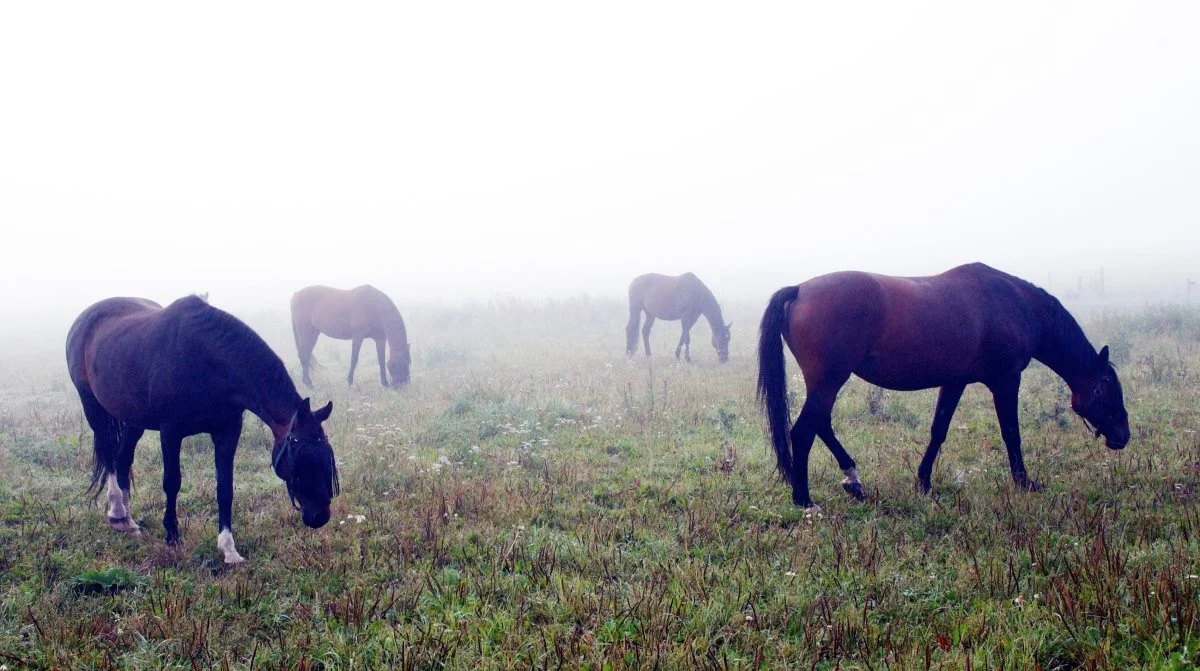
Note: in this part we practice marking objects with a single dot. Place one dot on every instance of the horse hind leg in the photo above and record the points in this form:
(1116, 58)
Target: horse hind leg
(120, 514)
(850, 483)
(306, 340)
(646, 332)
(106, 452)
(355, 346)
(685, 339)
(631, 330)
(816, 420)
(947, 402)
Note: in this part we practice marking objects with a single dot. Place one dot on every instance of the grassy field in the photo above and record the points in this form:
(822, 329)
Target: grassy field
(535, 500)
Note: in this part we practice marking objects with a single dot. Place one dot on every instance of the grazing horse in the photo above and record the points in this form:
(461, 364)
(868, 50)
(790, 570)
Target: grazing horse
(969, 324)
(355, 314)
(181, 370)
(682, 297)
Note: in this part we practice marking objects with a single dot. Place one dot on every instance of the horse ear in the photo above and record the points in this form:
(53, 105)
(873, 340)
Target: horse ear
(729, 326)
(323, 414)
(1102, 359)
(305, 408)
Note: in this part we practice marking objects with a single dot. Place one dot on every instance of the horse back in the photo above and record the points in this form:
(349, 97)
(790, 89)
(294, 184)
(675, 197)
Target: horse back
(111, 317)
(148, 365)
(342, 314)
(962, 326)
(668, 296)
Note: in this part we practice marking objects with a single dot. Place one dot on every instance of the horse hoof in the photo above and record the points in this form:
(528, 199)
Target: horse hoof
(1029, 485)
(924, 486)
(124, 525)
(855, 489)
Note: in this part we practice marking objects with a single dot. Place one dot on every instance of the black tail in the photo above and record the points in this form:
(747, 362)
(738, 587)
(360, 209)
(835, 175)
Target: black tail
(106, 434)
(772, 376)
(96, 485)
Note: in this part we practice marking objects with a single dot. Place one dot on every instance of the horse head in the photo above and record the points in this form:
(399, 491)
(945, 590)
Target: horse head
(398, 365)
(304, 460)
(720, 342)
(1097, 397)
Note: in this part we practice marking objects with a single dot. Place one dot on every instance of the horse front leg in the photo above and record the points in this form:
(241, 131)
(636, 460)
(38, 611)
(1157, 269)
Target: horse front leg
(380, 351)
(1004, 395)
(225, 442)
(171, 442)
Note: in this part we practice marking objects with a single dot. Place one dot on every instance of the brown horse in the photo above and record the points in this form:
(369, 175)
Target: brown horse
(181, 370)
(355, 314)
(683, 297)
(969, 324)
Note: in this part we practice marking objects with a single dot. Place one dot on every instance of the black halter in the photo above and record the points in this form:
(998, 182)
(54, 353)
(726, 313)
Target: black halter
(288, 451)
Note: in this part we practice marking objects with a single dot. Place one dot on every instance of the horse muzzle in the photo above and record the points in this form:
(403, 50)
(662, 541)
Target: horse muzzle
(1117, 439)
(1116, 443)
(315, 519)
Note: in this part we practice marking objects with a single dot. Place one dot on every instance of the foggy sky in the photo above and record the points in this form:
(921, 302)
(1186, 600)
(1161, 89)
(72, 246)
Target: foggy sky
(455, 150)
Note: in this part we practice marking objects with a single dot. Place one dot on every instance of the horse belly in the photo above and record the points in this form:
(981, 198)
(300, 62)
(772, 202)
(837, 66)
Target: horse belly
(340, 325)
(665, 307)
(904, 372)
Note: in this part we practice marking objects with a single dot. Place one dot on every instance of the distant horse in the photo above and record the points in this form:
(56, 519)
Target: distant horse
(682, 297)
(969, 324)
(354, 314)
(186, 369)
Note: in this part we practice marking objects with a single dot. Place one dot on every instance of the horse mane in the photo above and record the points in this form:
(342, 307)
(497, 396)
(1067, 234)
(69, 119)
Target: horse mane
(1059, 327)
(393, 317)
(710, 307)
(231, 340)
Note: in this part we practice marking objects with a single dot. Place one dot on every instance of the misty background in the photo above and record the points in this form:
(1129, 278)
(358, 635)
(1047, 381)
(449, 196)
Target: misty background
(451, 152)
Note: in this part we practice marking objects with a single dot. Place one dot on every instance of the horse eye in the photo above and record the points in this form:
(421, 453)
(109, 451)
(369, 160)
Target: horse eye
(1097, 391)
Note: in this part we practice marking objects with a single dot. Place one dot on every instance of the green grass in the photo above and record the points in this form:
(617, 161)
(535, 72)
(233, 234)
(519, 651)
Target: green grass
(534, 499)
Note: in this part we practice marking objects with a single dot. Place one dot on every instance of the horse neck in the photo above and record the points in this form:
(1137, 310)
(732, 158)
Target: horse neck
(712, 312)
(267, 390)
(394, 331)
(1063, 346)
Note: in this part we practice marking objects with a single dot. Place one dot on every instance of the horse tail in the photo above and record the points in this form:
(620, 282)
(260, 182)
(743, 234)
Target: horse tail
(772, 376)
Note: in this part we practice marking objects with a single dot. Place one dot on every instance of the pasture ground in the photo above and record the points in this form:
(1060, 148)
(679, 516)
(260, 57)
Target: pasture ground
(535, 500)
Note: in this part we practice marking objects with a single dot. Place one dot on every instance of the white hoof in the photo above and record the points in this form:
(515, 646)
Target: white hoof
(226, 546)
(125, 526)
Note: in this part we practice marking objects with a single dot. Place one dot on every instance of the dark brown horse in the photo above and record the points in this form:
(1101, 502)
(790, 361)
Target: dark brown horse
(181, 370)
(969, 324)
(355, 314)
(684, 298)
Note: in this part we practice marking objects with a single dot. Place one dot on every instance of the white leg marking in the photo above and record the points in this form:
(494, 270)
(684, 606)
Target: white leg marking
(226, 546)
(118, 509)
(851, 477)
